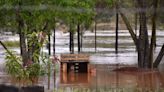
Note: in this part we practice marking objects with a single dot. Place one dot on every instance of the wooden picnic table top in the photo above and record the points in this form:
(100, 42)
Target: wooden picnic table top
(74, 58)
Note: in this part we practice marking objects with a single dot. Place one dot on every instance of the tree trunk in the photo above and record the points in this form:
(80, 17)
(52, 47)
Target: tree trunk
(70, 41)
(136, 17)
(23, 48)
(78, 37)
(71, 46)
(154, 18)
(95, 35)
(142, 43)
(49, 44)
(81, 38)
(130, 29)
(116, 38)
(54, 42)
(136, 22)
(143, 49)
(72, 38)
(153, 38)
(159, 57)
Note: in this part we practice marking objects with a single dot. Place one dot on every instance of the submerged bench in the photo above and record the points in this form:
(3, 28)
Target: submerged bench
(74, 62)
(74, 57)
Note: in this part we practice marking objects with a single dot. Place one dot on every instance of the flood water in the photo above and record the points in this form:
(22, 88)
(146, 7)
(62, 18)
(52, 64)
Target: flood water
(103, 61)
(104, 79)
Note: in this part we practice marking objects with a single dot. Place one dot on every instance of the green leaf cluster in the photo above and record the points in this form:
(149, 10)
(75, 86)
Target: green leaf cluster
(16, 70)
(13, 65)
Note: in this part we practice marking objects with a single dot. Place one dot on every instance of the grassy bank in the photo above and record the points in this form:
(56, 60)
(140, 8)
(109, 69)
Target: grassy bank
(11, 43)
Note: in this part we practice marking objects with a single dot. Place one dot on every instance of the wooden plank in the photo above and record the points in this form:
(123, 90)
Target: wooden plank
(65, 59)
(64, 67)
(75, 57)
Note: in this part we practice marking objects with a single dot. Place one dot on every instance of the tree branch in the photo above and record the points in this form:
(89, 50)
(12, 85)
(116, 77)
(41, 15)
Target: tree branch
(159, 57)
(130, 29)
(9, 52)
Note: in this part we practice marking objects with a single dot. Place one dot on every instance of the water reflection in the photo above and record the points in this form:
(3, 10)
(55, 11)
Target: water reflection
(75, 79)
(106, 78)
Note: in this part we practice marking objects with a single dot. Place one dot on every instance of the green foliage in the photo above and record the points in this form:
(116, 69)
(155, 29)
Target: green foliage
(35, 70)
(15, 69)
(75, 12)
(12, 43)
(13, 65)
(42, 11)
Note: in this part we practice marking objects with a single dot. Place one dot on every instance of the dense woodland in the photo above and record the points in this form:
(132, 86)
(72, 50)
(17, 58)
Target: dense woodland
(34, 20)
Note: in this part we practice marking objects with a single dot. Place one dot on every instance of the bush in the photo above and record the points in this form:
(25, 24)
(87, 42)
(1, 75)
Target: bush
(17, 71)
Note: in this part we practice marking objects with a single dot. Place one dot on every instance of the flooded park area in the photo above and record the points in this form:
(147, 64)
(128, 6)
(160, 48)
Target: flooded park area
(109, 72)
(81, 45)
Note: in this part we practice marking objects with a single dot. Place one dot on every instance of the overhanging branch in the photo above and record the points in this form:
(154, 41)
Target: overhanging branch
(130, 29)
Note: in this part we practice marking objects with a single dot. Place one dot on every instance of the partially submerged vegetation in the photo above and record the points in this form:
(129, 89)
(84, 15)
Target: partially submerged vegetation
(39, 22)
(29, 74)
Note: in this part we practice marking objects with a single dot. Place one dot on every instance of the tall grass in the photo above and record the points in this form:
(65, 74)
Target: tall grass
(11, 43)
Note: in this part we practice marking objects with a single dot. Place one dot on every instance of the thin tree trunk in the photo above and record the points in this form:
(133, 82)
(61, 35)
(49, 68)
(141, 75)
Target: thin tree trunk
(153, 38)
(159, 57)
(54, 38)
(78, 37)
(136, 17)
(130, 29)
(116, 37)
(49, 44)
(54, 42)
(23, 48)
(72, 38)
(70, 41)
(81, 38)
(154, 18)
(133, 35)
(95, 35)
(136, 22)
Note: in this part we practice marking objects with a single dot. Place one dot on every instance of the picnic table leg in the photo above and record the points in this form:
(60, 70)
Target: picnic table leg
(64, 67)
(88, 68)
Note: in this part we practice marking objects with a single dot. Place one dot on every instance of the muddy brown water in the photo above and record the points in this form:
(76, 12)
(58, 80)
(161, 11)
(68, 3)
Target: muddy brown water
(103, 77)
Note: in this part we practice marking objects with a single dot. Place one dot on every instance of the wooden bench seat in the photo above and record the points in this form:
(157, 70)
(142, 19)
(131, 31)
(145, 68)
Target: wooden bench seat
(75, 62)
(74, 57)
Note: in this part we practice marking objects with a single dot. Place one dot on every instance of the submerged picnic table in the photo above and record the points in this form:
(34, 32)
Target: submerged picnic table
(74, 62)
